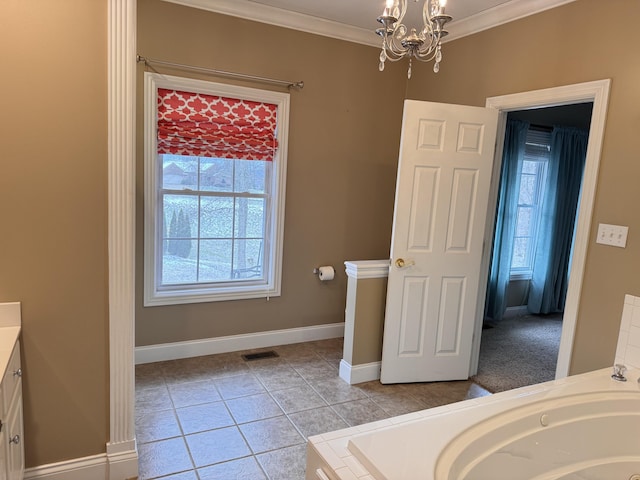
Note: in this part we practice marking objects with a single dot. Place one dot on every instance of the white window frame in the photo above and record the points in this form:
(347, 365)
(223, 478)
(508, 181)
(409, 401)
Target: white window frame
(273, 245)
(525, 273)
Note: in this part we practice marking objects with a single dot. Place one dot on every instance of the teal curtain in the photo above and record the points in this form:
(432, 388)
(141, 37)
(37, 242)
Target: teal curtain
(506, 216)
(550, 278)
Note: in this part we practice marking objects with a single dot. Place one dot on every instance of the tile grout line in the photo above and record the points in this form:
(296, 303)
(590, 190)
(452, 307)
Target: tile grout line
(295, 361)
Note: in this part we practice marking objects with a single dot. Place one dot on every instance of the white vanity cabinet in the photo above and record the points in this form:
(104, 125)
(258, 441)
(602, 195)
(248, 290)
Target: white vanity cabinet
(11, 426)
(11, 432)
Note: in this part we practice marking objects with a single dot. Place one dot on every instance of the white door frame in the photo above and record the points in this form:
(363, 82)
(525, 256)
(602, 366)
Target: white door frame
(598, 93)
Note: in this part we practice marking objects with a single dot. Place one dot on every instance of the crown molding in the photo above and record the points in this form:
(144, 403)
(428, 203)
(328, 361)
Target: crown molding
(499, 15)
(504, 13)
(285, 18)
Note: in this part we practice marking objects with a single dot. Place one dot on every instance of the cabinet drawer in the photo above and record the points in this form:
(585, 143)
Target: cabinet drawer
(15, 451)
(12, 377)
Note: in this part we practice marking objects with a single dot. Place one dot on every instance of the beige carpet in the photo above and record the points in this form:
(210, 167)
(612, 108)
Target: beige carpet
(518, 351)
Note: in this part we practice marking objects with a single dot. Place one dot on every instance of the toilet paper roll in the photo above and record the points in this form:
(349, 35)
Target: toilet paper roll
(326, 273)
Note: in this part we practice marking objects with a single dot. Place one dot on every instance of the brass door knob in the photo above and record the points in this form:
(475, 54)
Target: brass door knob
(401, 263)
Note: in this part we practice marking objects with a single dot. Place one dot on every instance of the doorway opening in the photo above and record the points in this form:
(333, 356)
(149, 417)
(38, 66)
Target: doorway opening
(597, 92)
(521, 337)
(595, 95)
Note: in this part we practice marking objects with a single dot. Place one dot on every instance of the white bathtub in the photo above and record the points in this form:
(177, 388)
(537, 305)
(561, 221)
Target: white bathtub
(585, 427)
(584, 436)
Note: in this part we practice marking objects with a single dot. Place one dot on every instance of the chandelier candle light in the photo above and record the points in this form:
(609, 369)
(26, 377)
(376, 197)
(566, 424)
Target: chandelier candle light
(424, 45)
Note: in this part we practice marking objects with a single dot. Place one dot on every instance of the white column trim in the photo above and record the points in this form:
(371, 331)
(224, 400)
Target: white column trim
(121, 448)
(354, 374)
(367, 268)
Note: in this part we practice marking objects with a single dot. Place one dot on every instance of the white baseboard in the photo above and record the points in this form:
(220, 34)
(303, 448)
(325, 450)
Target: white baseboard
(234, 343)
(353, 374)
(87, 468)
(123, 460)
(94, 467)
(516, 311)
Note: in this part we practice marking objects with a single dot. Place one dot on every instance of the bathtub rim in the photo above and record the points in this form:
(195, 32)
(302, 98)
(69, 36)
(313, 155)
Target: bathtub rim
(494, 425)
(374, 455)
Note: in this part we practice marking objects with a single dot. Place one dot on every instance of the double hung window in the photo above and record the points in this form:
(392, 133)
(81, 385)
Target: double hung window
(215, 163)
(530, 200)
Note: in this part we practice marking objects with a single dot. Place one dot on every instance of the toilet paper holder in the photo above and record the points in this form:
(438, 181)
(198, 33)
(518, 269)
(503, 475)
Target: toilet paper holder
(317, 271)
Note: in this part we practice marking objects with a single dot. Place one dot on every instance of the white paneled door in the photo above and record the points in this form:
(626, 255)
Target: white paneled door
(442, 193)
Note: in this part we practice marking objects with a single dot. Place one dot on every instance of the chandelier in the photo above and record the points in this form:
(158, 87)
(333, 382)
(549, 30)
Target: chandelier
(399, 42)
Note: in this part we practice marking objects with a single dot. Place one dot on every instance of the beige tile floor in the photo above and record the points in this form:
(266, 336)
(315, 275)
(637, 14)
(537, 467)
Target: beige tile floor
(220, 417)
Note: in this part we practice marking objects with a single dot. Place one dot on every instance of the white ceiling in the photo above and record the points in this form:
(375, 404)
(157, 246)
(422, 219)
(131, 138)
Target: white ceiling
(355, 20)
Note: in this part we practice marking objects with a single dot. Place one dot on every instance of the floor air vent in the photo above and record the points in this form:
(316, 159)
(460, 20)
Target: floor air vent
(259, 355)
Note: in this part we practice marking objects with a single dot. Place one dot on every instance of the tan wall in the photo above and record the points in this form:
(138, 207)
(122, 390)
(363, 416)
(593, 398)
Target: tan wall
(344, 135)
(364, 320)
(561, 47)
(369, 320)
(53, 206)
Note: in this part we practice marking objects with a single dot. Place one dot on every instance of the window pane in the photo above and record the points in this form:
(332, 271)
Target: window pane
(520, 253)
(250, 176)
(173, 173)
(250, 215)
(529, 167)
(215, 260)
(178, 262)
(523, 225)
(180, 216)
(179, 254)
(216, 217)
(179, 172)
(216, 174)
(527, 195)
(247, 259)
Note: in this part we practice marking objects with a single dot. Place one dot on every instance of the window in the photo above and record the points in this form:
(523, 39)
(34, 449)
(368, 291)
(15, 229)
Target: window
(530, 198)
(215, 163)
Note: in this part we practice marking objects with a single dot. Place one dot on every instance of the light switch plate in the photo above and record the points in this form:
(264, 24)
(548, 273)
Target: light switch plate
(614, 235)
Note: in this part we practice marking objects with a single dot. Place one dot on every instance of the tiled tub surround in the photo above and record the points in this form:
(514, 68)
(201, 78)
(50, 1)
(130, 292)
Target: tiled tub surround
(220, 417)
(628, 350)
(409, 446)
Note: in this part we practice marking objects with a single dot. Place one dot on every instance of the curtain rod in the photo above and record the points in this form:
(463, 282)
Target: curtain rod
(221, 73)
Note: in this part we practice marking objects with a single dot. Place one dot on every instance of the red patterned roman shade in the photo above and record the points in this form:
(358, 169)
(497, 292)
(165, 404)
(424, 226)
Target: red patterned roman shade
(203, 125)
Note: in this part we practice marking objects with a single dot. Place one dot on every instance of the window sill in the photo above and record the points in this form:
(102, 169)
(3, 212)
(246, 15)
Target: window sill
(515, 276)
(180, 297)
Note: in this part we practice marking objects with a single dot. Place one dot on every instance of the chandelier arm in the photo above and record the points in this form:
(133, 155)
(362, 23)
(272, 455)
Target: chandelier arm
(427, 57)
(395, 46)
(403, 11)
(393, 54)
(428, 48)
(426, 15)
(391, 51)
(393, 58)
(431, 9)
